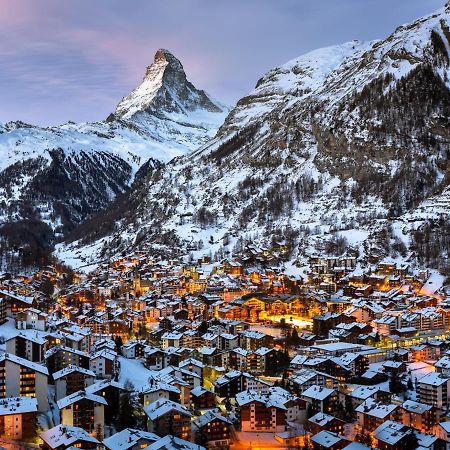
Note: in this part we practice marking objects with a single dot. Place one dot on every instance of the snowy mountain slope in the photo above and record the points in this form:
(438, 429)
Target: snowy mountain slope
(338, 142)
(59, 175)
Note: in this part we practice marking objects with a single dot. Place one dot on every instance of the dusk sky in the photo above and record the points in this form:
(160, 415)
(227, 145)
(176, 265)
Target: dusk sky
(74, 60)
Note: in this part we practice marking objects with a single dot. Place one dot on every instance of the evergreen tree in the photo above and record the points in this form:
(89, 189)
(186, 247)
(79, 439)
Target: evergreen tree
(410, 385)
(295, 340)
(395, 385)
(125, 417)
(118, 341)
(203, 328)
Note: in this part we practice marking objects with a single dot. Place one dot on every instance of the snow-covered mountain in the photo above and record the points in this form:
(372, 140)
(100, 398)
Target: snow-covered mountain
(169, 108)
(57, 176)
(343, 142)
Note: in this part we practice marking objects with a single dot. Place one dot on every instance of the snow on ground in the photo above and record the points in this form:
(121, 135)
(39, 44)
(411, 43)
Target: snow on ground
(301, 323)
(134, 371)
(256, 441)
(354, 237)
(83, 258)
(419, 370)
(272, 331)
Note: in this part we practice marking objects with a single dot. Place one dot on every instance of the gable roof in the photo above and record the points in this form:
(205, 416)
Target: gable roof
(80, 395)
(159, 408)
(127, 438)
(66, 435)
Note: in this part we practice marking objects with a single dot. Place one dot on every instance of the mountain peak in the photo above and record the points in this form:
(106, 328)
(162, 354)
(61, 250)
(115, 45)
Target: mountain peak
(165, 90)
(165, 57)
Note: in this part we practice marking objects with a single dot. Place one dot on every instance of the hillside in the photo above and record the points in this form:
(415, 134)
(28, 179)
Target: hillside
(53, 178)
(327, 152)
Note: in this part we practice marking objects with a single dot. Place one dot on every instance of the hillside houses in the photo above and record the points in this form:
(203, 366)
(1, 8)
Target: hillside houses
(142, 351)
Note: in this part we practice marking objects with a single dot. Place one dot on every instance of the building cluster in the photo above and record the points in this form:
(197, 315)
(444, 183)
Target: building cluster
(163, 355)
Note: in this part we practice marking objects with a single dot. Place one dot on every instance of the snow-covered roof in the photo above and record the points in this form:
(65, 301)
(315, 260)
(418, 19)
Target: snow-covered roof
(161, 407)
(416, 407)
(103, 384)
(24, 362)
(71, 369)
(276, 397)
(327, 439)
(321, 419)
(376, 409)
(80, 395)
(200, 390)
(65, 436)
(318, 392)
(173, 443)
(17, 405)
(208, 417)
(128, 438)
(364, 392)
(391, 432)
(434, 379)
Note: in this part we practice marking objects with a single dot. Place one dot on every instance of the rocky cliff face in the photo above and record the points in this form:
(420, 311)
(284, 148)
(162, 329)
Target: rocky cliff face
(56, 177)
(343, 144)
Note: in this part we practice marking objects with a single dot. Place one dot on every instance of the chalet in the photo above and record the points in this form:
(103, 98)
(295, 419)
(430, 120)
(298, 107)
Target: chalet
(443, 365)
(233, 268)
(72, 379)
(420, 416)
(320, 399)
(193, 365)
(394, 436)
(372, 414)
(59, 356)
(320, 421)
(324, 323)
(20, 377)
(433, 389)
(18, 417)
(210, 356)
(31, 319)
(269, 412)
(28, 346)
(155, 359)
(82, 409)
(103, 364)
(252, 340)
(360, 394)
(165, 417)
(234, 381)
(134, 349)
(303, 379)
(203, 398)
(171, 339)
(15, 303)
(110, 390)
(191, 378)
(212, 430)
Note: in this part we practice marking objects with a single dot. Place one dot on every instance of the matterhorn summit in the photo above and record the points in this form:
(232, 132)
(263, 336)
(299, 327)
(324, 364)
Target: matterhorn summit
(189, 115)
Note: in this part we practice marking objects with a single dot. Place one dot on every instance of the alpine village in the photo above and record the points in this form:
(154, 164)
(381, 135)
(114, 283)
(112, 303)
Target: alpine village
(261, 285)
